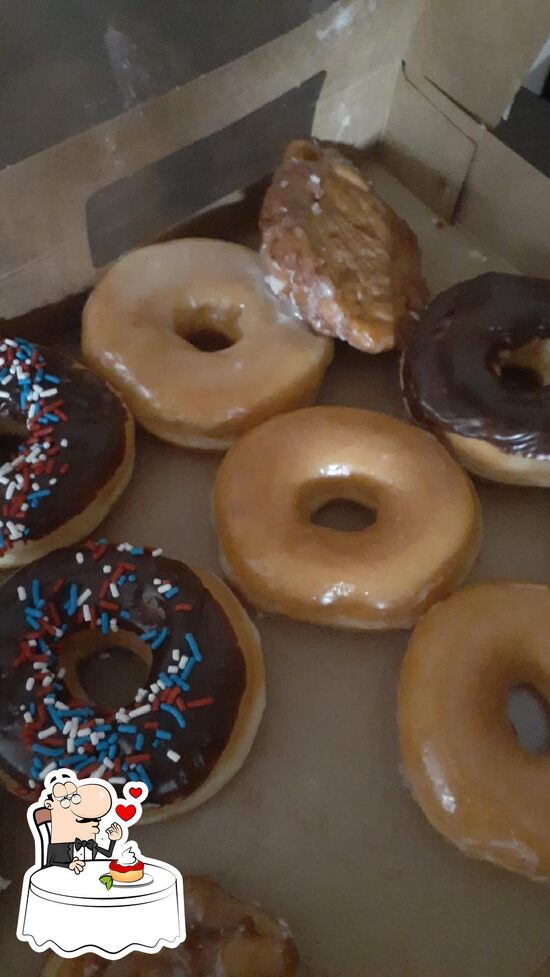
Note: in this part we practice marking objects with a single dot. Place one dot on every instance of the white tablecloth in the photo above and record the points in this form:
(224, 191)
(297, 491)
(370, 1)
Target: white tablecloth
(71, 913)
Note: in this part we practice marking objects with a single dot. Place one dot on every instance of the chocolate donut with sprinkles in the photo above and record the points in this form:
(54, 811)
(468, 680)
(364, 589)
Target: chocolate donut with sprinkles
(72, 456)
(187, 731)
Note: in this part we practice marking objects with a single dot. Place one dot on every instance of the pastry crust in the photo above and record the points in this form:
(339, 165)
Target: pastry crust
(488, 461)
(350, 266)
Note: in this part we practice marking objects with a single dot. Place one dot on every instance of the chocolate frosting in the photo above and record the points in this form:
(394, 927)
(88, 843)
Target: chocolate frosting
(75, 428)
(448, 376)
(185, 714)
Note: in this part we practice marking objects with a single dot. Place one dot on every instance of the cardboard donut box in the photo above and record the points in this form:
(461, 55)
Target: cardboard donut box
(122, 125)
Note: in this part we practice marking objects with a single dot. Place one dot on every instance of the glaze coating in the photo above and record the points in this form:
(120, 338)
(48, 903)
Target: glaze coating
(144, 329)
(468, 772)
(422, 543)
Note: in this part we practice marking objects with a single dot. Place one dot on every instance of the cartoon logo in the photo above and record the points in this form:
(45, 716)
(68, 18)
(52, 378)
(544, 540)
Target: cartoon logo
(89, 888)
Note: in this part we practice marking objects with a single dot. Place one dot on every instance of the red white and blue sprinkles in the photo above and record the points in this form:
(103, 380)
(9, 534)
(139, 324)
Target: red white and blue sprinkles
(30, 393)
(59, 730)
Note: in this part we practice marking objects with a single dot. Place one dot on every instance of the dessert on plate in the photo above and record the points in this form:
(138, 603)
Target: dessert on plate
(127, 868)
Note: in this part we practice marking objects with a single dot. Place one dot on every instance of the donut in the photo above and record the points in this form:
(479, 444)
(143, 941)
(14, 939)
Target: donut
(187, 731)
(225, 936)
(350, 266)
(70, 451)
(195, 340)
(476, 371)
(424, 539)
(468, 772)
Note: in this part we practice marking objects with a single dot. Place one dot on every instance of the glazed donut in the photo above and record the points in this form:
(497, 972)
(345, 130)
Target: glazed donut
(349, 265)
(473, 780)
(73, 451)
(152, 328)
(476, 371)
(225, 937)
(423, 542)
(188, 730)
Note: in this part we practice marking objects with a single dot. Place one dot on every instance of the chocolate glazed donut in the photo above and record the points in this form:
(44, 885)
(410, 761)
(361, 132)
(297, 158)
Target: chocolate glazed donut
(73, 451)
(189, 728)
(476, 370)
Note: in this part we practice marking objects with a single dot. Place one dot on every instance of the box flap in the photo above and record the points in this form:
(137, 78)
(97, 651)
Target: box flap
(516, 226)
(478, 52)
(425, 144)
(457, 167)
(71, 66)
(305, 74)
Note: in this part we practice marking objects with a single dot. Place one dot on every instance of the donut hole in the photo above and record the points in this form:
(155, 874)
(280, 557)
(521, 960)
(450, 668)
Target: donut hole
(345, 515)
(335, 504)
(525, 369)
(106, 670)
(529, 714)
(208, 328)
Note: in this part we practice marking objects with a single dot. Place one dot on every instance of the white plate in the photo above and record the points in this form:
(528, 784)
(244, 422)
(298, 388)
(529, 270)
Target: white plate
(146, 880)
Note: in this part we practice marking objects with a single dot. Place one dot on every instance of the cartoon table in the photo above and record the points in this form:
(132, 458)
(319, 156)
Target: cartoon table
(68, 912)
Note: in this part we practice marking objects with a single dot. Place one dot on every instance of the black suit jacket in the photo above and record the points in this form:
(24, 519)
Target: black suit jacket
(63, 853)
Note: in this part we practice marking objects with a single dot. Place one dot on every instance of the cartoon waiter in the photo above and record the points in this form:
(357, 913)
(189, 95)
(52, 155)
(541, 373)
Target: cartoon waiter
(104, 911)
(75, 813)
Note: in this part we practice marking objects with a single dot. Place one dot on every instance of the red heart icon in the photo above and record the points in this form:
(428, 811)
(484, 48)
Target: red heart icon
(135, 791)
(125, 811)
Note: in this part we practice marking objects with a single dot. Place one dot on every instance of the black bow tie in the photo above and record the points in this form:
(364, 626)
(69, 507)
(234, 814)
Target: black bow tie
(78, 843)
